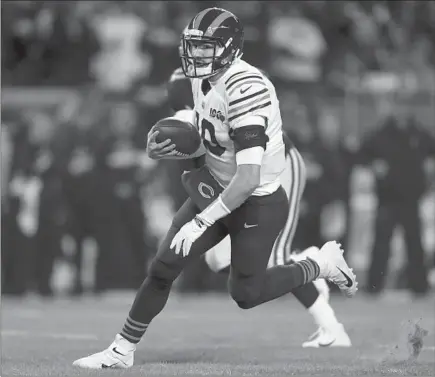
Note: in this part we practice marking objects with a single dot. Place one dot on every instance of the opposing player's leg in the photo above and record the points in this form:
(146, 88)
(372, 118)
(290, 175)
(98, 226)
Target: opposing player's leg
(154, 291)
(219, 257)
(330, 332)
(293, 180)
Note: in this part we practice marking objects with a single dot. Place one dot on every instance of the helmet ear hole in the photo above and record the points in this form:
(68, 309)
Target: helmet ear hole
(228, 59)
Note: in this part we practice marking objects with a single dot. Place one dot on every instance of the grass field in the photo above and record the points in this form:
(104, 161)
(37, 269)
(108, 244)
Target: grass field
(210, 336)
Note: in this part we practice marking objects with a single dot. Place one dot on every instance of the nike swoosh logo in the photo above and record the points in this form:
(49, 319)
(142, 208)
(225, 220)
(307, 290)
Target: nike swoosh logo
(246, 89)
(104, 366)
(247, 226)
(327, 344)
(349, 280)
(116, 351)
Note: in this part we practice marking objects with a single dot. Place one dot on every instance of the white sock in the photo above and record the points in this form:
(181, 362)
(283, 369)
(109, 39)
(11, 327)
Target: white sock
(124, 343)
(323, 314)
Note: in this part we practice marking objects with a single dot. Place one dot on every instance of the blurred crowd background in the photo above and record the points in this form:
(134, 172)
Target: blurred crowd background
(83, 208)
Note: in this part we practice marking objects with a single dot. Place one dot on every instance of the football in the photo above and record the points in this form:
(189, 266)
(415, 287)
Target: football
(183, 134)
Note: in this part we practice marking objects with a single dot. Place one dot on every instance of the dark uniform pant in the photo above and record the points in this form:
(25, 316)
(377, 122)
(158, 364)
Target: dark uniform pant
(389, 215)
(253, 228)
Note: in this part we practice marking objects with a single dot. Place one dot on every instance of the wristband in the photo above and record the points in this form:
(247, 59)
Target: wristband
(214, 212)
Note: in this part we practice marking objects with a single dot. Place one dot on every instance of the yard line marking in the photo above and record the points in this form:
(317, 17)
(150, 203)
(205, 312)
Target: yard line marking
(65, 336)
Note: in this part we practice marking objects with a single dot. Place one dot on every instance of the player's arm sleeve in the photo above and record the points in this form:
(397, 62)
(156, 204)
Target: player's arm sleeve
(249, 105)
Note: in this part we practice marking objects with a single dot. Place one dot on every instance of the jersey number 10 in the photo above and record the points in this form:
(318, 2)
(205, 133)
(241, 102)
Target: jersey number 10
(208, 136)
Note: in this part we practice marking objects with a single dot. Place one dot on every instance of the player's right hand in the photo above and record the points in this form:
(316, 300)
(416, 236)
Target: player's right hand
(157, 151)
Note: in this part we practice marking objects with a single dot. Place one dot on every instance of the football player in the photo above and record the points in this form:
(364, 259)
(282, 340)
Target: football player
(314, 296)
(237, 192)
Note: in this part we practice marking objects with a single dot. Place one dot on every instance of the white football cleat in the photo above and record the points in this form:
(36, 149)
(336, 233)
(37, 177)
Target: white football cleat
(333, 337)
(312, 339)
(119, 355)
(334, 268)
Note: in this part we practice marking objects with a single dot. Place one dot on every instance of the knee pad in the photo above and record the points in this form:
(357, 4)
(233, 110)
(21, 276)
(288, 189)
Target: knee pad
(244, 291)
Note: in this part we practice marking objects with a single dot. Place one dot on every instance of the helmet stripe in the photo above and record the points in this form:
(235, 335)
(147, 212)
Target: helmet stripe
(209, 18)
(197, 20)
(218, 21)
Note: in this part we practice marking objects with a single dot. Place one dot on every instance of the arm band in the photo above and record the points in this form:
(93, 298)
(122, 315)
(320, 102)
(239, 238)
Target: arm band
(248, 137)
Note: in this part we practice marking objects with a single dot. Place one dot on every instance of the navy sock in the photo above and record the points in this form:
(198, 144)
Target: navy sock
(306, 294)
(150, 300)
(310, 270)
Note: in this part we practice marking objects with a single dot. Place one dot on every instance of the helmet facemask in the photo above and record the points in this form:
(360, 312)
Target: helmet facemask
(206, 65)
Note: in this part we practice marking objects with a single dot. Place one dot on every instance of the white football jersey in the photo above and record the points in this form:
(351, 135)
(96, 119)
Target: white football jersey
(243, 91)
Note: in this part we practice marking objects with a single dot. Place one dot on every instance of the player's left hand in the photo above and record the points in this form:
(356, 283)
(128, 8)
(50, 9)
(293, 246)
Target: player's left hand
(187, 235)
(163, 150)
